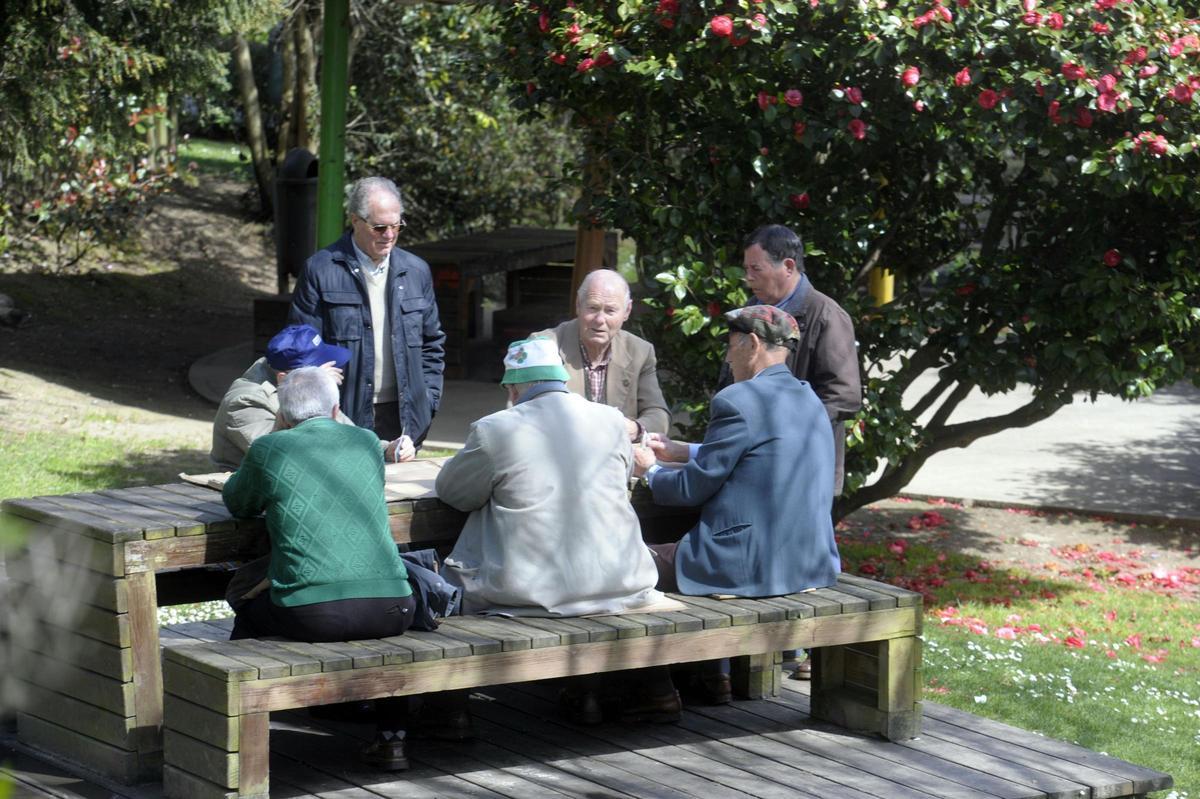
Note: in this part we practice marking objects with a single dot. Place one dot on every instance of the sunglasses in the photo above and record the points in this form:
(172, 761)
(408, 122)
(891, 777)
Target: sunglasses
(381, 229)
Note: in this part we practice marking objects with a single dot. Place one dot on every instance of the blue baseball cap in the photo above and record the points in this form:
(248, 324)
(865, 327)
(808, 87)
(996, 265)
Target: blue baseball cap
(301, 345)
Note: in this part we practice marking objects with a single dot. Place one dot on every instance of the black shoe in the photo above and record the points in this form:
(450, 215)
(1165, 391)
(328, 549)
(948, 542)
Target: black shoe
(386, 752)
(454, 725)
(581, 707)
(716, 688)
(664, 709)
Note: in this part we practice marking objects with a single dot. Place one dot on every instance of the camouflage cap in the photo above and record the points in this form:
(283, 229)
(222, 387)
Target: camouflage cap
(767, 322)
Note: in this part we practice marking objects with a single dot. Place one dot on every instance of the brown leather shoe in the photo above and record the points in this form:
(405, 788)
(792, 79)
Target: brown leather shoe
(386, 752)
(664, 709)
(716, 688)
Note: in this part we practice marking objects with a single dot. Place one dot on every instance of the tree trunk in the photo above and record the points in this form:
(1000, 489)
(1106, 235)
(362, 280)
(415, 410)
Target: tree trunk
(255, 136)
(287, 51)
(306, 80)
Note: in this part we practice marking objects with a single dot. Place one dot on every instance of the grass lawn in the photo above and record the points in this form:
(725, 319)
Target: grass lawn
(216, 157)
(1106, 654)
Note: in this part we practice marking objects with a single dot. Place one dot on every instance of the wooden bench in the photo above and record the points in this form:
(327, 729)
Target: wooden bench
(219, 695)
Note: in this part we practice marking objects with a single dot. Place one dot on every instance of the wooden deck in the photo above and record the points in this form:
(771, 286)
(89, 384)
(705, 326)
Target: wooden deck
(765, 748)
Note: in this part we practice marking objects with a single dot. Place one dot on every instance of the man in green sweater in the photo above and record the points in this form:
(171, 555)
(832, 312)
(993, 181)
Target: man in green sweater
(335, 573)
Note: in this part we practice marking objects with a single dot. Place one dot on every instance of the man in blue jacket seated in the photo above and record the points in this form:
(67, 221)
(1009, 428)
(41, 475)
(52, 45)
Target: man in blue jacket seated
(763, 477)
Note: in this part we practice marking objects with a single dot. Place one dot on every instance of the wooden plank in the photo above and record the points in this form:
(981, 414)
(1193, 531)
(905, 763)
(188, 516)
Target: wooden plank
(904, 597)
(878, 600)
(201, 723)
(210, 763)
(567, 632)
(266, 665)
(462, 629)
(205, 660)
(90, 654)
(329, 658)
(152, 523)
(297, 664)
(821, 604)
(202, 689)
(187, 518)
(765, 610)
(450, 647)
(389, 652)
(57, 519)
(361, 657)
(737, 615)
(850, 603)
(680, 622)
(179, 784)
(513, 633)
(596, 628)
(1144, 779)
(254, 757)
(87, 586)
(712, 619)
(86, 686)
(793, 609)
(470, 672)
(626, 628)
(116, 762)
(190, 550)
(654, 624)
(114, 729)
(147, 664)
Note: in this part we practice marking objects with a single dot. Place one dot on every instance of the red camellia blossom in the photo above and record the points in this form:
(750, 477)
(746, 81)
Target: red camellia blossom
(558, 58)
(543, 22)
(964, 3)
(1072, 71)
(965, 290)
(1083, 118)
(738, 41)
(1182, 93)
(603, 59)
(798, 129)
(854, 95)
(1135, 56)
(585, 65)
(962, 77)
(1054, 21)
(759, 21)
(1052, 112)
(1148, 71)
(573, 33)
(714, 308)
(944, 13)
(794, 98)
(765, 100)
(1154, 142)
(1107, 101)
(799, 201)
(1074, 642)
(857, 128)
(721, 25)
(918, 106)
(1107, 82)
(910, 77)
(667, 22)
(1028, 5)
(1112, 258)
(1101, 28)
(988, 99)
(530, 87)
(669, 311)
(1031, 18)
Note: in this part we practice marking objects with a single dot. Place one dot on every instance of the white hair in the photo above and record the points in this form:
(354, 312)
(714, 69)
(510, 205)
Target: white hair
(307, 393)
(609, 276)
(358, 198)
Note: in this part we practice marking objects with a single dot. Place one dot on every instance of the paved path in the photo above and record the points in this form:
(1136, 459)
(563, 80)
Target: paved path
(1138, 457)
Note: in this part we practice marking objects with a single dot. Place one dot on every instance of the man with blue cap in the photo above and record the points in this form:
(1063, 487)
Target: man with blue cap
(250, 407)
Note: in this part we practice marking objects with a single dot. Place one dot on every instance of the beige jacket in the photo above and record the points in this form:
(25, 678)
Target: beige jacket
(632, 384)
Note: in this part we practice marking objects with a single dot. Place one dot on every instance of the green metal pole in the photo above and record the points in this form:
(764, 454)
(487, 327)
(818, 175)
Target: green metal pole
(335, 69)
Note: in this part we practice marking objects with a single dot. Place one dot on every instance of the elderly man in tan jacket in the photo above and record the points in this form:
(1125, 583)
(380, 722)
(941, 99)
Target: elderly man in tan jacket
(609, 365)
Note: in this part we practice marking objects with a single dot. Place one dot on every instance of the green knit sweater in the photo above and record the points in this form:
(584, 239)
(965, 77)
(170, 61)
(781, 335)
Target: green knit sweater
(321, 485)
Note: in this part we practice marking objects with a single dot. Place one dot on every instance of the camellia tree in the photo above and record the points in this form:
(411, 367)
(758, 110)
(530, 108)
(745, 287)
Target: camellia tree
(1028, 171)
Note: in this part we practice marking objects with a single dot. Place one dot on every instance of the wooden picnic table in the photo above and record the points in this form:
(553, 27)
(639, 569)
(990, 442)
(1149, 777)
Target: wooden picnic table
(96, 567)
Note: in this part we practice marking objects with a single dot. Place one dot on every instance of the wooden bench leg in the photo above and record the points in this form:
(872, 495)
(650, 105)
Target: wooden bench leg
(756, 676)
(871, 688)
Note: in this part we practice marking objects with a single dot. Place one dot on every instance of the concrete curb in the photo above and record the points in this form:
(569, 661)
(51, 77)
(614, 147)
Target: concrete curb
(1185, 522)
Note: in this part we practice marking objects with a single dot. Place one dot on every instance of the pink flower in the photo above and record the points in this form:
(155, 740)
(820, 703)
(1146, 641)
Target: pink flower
(1054, 21)
(1072, 71)
(988, 99)
(1148, 71)
(721, 25)
(1182, 93)
(1107, 101)
(1028, 5)
(1031, 18)
(543, 22)
(799, 201)
(1107, 82)
(759, 21)
(794, 98)
(858, 129)
(1135, 56)
(962, 77)
(765, 100)
(798, 129)
(603, 59)
(1083, 118)
(923, 20)
(1052, 112)
(1007, 633)
(1110, 615)
(558, 58)
(1074, 642)
(574, 32)
(1101, 28)
(1176, 49)
(919, 106)
(944, 13)
(854, 95)
(1113, 258)
(910, 77)
(585, 65)
(1134, 641)
(738, 41)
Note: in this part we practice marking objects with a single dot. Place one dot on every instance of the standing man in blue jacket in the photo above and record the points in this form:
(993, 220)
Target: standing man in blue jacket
(376, 300)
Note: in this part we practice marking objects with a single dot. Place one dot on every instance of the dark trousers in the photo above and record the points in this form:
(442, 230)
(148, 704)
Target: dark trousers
(657, 679)
(387, 420)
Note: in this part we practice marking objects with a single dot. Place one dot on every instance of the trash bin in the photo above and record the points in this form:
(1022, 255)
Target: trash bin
(295, 214)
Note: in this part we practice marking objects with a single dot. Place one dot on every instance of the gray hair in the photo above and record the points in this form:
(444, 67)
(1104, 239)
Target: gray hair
(610, 276)
(307, 393)
(358, 198)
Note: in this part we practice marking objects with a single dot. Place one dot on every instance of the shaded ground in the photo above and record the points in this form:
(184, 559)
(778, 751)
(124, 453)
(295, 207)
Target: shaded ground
(107, 350)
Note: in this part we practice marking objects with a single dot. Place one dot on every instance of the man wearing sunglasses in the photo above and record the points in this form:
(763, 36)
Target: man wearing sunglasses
(376, 300)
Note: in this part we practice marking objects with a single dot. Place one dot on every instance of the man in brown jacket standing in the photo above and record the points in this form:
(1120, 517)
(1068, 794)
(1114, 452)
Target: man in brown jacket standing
(827, 355)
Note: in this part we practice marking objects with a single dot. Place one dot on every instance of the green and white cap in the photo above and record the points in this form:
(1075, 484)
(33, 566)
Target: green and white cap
(532, 359)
